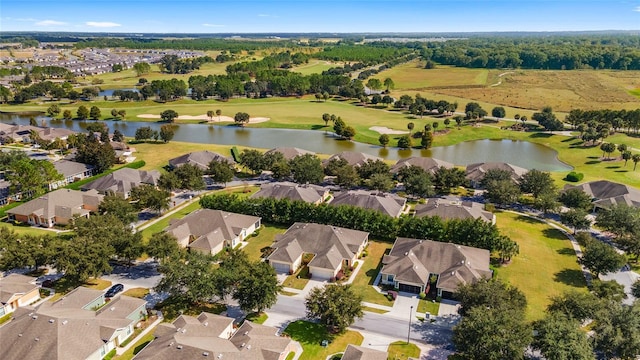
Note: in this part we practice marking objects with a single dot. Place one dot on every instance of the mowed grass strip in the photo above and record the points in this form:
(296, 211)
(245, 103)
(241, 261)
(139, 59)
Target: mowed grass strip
(367, 274)
(400, 350)
(412, 75)
(265, 238)
(546, 266)
(137, 347)
(311, 335)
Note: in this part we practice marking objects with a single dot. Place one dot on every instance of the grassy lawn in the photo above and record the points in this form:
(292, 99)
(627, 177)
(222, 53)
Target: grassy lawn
(413, 76)
(546, 265)
(401, 350)
(157, 155)
(367, 274)
(314, 67)
(427, 306)
(163, 223)
(310, 335)
(26, 230)
(298, 280)
(374, 310)
(288, 293)
(137, 292)
(137, 347)
(258, 318)
(263, 239)
(171, 308)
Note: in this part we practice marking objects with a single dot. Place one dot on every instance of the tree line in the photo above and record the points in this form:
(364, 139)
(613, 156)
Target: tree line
(471, 232)
(172, 64)
(233, 46)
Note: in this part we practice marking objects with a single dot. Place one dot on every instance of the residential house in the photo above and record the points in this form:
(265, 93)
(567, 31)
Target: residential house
(24, 133)
(58, 207)
(121, 181)
(388, 204)
(200, 159)
(71, 328)
(286, 190)
(354, 352)
(71, 171)
(475, 172)
(6, 195)
(353, 158)
(124, 152)
(447, 209)
(16, 291)
(210, 231)
(608, 193)
(429, 165)
(331, 247)
(213, 336)
(414, 266)
(290, 152)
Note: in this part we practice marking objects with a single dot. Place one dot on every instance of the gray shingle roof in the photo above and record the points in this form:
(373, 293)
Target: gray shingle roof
(427, 164)
(354, 352)
(607, 193)
(69, 168)
(62, 202)
(413, 260)
(290, 152)
(123, 180)
(353, 158)
(475, 172)
(200, 159)
(190, 338)
(291, 191)
(453, 209)
(210, 227)
(15, 284)
(385, 203)
(328, 243)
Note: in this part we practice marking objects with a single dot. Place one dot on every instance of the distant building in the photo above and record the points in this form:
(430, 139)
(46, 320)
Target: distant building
(121, 181)
(475, 172)
(608, 193)
(16, 291)
(388, 204)
(448, 209)
(286, 190)
(290, 152)
(352, 158)
(71, 171)
(200, 159)
(429, 165)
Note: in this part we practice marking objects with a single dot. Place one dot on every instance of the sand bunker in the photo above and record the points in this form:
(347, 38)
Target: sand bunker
(386, 130)
(221, 118)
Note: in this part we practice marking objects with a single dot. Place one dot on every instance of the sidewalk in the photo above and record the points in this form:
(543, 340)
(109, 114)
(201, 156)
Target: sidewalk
(152, 326)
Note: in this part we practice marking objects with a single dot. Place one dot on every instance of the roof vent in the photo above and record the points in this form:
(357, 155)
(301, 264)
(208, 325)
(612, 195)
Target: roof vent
(205, 354)
(20, 335)
(170, 344)
(64, 322)
(220, 356)
(246, 333)
(406, 254)
(206, 323)
(453, 273)
(179, 347)
(420, 242)
(51, 321)
(112, 308)
(37, 339)
(248, 347)
(462, 262)
(242, 345)
(34, 317)
(184, 331)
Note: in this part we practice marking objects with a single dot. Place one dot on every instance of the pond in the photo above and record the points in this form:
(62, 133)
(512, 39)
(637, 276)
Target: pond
(109, 92)
(521, 153)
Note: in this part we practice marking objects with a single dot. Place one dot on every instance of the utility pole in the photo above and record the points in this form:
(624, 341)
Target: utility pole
(409, 332)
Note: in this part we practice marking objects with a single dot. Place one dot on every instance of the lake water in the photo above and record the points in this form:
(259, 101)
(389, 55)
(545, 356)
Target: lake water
(521, 153)
(109, 92)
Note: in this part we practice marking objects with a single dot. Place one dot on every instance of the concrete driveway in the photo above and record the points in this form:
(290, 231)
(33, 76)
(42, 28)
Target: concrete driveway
(626, 278)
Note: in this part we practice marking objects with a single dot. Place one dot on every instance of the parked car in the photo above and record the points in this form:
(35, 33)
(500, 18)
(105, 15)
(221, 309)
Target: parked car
(114, 290)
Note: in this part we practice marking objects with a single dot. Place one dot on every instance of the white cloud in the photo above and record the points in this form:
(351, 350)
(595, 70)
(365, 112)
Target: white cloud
(102, 24)
(50, 23)
(637, 9)
(213, 25)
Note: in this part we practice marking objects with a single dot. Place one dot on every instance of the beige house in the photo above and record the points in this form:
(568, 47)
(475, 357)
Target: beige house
(312, 194)
(290, 152)
(352, 158)
(429, 165)
(57, 207)
(16, 291)
(606, 193)
(354, 352)
(413, 265)
(388, 204)
(448, 209)
(213, 336)
(332, 248)
(121, 181)
(200, 159)
(71, 328)
(210, 231)
(475, 172)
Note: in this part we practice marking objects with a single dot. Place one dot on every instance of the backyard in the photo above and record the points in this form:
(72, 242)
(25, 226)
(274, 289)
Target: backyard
(546, 266)
(367, 274)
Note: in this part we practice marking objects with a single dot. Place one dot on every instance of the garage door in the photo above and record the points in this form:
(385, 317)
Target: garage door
(409, 288)
(280, 267)
(321, 274)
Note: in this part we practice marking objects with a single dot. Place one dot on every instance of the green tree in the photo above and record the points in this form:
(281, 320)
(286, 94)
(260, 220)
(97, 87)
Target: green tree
(347, 177)
(635, 158)
(389, 84)
(608, 291)
(169, 181)
(501, 192)
(427, 139)
(190, 278)
(338, 126)
(619, 219)
(446, 179)
(601, 258)
(371, 167)
(259, 290)
(561, 338)
(143, 133)
(307, 168)
(575, 198)
(67, 115)
(190, 177)
(384, 140)
(82, 258)
(410, 126)
(404, 142)
(547, 202)
(576, 218)
(168, 115)
(162, 246)
(253, 160)
(536, 182)
(576, 305)
(374, 84)
(241, 118)
(382, 182)
(53, 110)
(626, 156)
(607, 148)
(332, 166)
(94, 113)
(490, 294)
(141, 68)
(334, 306)
(418, 185)
(326, 117)
(617, 331)
(118, 207)
(348, 132)
(150, 197)
(114, 113)
(635, 289)
(498, 112)
(167, 132)
(101, 155)
(221, 171)
(280, 170)
(30, 176)
(82, 113)
(117, 136)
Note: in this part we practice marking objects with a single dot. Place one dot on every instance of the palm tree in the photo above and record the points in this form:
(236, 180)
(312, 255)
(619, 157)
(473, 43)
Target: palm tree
(210, 114)
(389, 84)
(635, 158)
(410, 127)
(218, 113)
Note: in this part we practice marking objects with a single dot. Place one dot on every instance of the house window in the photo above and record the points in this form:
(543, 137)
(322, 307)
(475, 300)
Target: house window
(389, 278)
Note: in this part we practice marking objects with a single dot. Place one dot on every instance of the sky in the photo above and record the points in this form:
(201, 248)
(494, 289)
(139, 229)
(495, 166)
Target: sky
(331, 16)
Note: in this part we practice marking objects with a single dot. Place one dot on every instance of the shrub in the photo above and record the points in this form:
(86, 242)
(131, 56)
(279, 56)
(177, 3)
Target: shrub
(422, 296)
(393, 294)
(45, 292)
(340, 275)
(290, 271)
(489, 207)
(332, 279)
(574, 176)
(438, 298)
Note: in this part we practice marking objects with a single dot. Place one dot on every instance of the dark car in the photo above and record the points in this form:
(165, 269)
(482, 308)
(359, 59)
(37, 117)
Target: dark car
(114, 290)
